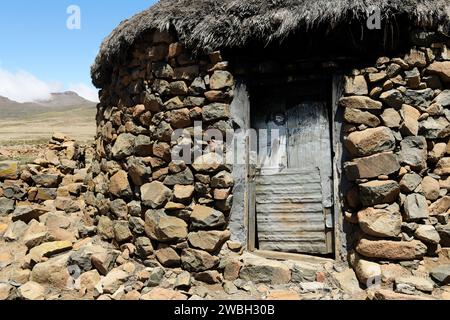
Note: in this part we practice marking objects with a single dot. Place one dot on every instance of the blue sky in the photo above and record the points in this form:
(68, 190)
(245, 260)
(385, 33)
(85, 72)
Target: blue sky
(37, 49)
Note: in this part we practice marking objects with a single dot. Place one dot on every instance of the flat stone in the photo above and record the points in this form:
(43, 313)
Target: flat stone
(284, 295)
(370, 141)
(164, 228)
(378, 192)
(391, 118)
(9, 170)
(209, 241)
(260, 270)
(441, 274)
(197, 260)
(209, 277)
(31, 291)
(357, 116)
(391, 250)
(155, 194)
(160, 294)
(427, 234)
(384, 294)
(416, 207)
(27, 213)
(372, 166)
(414, 152)
(360, 102)
(49, 249)
(205, 217)
(380, 222)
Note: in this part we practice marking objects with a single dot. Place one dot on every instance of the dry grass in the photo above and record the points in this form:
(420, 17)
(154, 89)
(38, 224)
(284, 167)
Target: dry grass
(22, 138)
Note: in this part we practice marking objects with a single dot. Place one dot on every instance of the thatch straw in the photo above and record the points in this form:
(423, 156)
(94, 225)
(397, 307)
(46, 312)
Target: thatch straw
(213, 24)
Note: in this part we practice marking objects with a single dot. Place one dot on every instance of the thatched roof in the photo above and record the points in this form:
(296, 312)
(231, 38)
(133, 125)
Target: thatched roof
(213, 24)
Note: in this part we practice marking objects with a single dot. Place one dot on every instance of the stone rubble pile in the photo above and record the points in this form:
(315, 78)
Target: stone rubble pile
(396, 132)
(53, 245)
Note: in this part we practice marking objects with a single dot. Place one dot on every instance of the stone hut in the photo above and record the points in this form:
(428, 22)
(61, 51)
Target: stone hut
(349, 157)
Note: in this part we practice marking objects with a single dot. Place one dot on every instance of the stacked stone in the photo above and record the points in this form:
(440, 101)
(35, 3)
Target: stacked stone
(51, 183)
(175, 213)
(397, 136)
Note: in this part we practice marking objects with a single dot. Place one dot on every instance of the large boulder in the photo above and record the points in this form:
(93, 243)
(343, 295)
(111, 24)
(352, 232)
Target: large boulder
(124, 146)
(204, 217)
(360, 102)
(210, 241)
(378, 192)
(391, 250)
(161, 227)
(372, 166)
(357, 116)
(155, 194)
(380, 222)
(197, 260)
(370, 141)
(261, 270)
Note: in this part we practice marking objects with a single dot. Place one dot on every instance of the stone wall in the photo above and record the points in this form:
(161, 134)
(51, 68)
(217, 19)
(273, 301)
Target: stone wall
(397, 136)
(175, 212)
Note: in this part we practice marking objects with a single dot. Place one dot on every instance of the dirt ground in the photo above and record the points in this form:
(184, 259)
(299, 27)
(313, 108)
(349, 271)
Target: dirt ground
(22, 138)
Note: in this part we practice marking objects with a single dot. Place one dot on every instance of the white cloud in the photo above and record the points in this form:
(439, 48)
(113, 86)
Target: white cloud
(25, 87)
(88, 92)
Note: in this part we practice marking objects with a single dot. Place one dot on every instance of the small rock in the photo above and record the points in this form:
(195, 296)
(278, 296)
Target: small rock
(31, 291)
(428, 234)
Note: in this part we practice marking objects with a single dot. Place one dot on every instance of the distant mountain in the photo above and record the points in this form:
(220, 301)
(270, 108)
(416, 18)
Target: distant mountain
(59, 102)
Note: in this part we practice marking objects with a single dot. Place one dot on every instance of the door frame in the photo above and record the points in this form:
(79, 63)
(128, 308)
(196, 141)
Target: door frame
(336, 161)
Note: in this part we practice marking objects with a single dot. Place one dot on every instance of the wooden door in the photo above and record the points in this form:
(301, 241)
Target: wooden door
(293, 187)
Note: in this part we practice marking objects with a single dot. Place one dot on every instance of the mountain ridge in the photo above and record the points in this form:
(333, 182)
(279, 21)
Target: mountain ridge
(59, 102)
